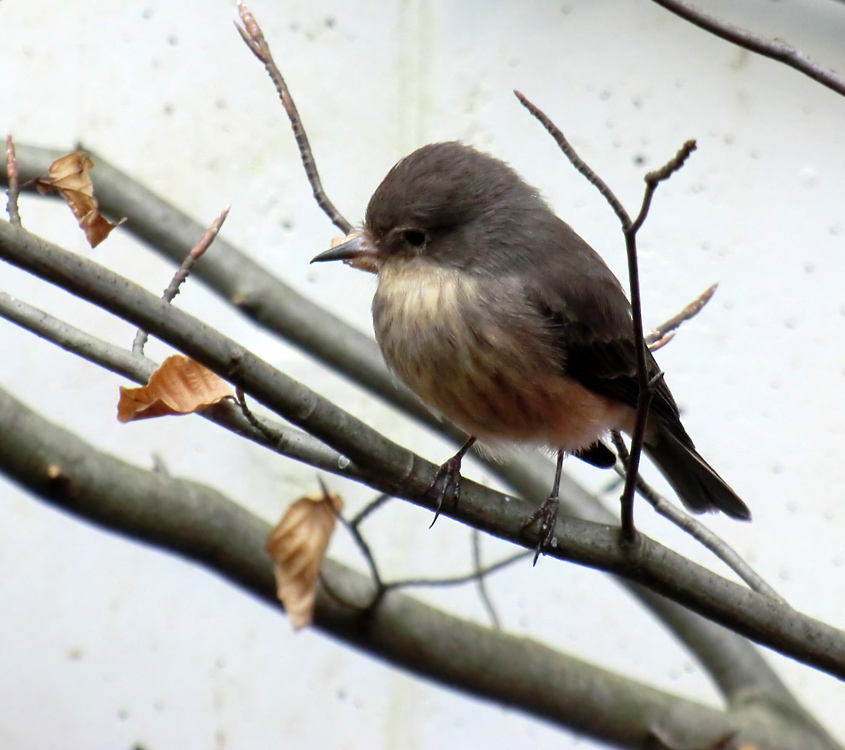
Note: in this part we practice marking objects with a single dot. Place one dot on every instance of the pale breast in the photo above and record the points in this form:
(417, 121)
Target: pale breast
(474, 351)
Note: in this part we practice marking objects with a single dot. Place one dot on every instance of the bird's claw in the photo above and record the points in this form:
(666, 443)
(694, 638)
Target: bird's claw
(447, 483)
(546, 514)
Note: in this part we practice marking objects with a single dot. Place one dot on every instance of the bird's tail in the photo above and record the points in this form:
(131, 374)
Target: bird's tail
(696, 483)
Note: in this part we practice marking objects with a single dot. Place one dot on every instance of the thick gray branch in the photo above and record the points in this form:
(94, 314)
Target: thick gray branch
(271, 303)
(390, 468)
(199, 523)
(281, 439)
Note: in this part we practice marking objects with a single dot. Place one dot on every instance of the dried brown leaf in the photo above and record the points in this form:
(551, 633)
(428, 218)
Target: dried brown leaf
(69, 177)
(297, 546)
(178, 386)
(70, 172)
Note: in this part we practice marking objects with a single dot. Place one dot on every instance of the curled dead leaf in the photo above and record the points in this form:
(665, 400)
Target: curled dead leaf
(297, 545)
(178, 386)
(69, 177)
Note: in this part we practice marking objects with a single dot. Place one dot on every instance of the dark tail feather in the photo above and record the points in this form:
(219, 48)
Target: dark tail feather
(696, 483)
(597, 454)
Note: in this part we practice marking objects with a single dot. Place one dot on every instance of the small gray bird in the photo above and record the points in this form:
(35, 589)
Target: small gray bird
(502, 319)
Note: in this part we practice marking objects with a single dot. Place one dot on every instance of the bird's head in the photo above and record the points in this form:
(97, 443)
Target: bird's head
(444, 202)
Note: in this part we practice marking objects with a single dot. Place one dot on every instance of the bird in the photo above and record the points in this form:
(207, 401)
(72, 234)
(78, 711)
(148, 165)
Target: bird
(504, 321)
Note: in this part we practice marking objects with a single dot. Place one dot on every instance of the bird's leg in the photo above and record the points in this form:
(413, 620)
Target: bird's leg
(547, 512)
(449, 474)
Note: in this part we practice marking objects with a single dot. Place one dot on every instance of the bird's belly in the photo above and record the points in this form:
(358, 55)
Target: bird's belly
(491, 381)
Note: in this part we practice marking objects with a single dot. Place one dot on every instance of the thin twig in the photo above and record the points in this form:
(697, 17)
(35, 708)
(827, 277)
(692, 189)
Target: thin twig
(576, 160)
(771, 48)
(203, 243)
(664, 333)
(694, 528)
(370, 507)
(12, 177)
(253, 36)
(646, 381)
(263, 427)
(481, 581)
(458, 580)
(478, 575)
(654, 178)
(645, 386)
(364, 547)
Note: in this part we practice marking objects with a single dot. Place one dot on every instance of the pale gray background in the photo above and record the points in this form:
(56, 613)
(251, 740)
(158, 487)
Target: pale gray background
(105, 643)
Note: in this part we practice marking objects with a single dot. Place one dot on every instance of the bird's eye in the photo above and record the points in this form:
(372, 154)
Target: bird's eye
(414, 237)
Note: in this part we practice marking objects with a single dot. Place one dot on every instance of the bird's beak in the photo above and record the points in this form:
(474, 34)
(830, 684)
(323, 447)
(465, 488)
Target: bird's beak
(357, 250)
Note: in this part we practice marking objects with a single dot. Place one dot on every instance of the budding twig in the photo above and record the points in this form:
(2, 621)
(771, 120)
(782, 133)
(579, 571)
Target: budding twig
(253, 36)
(12, 177)
(665, 332)
(203, 243)
(646, 381)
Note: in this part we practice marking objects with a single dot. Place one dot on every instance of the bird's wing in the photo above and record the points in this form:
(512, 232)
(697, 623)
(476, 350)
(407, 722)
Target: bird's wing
(589, 322)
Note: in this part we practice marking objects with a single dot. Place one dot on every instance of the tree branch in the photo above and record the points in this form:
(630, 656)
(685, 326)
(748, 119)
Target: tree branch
(254, 38)
(199, 523)
(282, 439)
(271, 303)
(12, 180)
(771, 48)
(197, 251)
(389, 468)
(645, 381)
(694, 528)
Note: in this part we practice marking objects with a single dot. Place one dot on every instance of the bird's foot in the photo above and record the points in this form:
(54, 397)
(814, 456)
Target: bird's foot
(546, 514)
(447, 480)
(446, 484)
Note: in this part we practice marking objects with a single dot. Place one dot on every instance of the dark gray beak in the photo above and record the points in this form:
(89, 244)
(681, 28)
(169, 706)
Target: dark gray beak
(352, 249)
(358, 251)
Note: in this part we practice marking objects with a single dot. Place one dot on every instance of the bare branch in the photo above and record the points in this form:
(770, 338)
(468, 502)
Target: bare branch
(12, 178)
(645, 380)
(481, 581)
(576, 160)
(389, 468)
(653, 179)
(281, 439)
(772, 48)
(203, 243)
(364, 547)
(266, 300)
(253, 36)
(663, 334)
(369, 508)
(476, 575)
(199, 523)
(695, 528)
